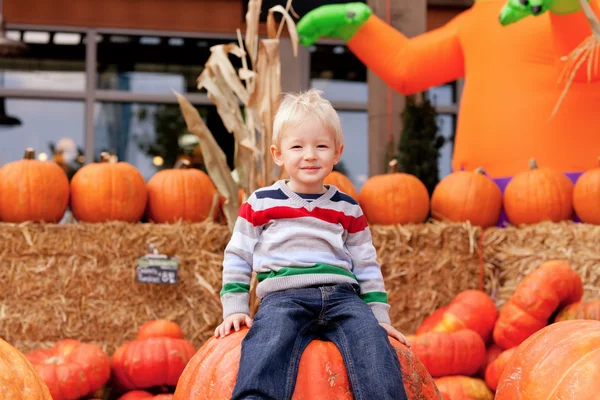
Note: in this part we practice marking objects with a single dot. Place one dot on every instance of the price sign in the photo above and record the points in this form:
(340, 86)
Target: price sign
(157, 269)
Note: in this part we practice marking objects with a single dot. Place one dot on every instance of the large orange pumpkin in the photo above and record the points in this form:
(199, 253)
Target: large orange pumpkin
(71, 369)
(32, 190)
(493, 372)
(461, 387)
(180, 193)
(551, 286)
(586, 196)
(561, 361)
(580, 310)
(394, 198)
(342, 182)
(108, 191)
(467, 196)
(212, 373)
(19, 380)
(540, 194)
(159, 328)
(454, 353)
(470, 309)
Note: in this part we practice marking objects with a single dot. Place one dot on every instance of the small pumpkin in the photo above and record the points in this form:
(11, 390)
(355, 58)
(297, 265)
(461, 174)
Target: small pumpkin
(142, 395)
(561, 361)
(212, 373)
(495, 368)
(19, 379)
(586, 196)
(342, 182)
(33, 190)
(181, 193)
(108, 191)
(454, 353)
(492, 352)
(580, 310)
(467, 196)
(540, 194)
(462, 387)
(394, 198)
(431, 320)
(71, 369)
(549, 287)
(470, 309)
(159, 328)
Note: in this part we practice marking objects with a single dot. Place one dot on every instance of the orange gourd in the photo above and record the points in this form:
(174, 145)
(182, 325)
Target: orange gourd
(180, 193)
(580, 310)
(496, 367)
(212, 373)
(142, 395)
(33, 190)
(586, 196)
(561, 361)
(491, 353)
(467, 196)
(431, 320)
(463, 388)
(159, 328)
(394, 198)
(342, 182)
(454, 353)
(71, 369)
(551, 286)
(470, 309)
(19, 380)
(108, 191)
(540, 194)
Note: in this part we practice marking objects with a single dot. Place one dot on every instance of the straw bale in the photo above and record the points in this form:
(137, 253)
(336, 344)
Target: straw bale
(513, 252)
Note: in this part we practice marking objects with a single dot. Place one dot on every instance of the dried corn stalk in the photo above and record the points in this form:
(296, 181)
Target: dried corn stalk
(257, 88)
(587, 51)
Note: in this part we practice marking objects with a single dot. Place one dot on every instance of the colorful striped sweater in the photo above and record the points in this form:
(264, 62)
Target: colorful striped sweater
(291, 242)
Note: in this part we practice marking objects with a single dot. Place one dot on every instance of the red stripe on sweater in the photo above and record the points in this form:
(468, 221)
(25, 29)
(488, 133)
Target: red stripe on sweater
(259, 218)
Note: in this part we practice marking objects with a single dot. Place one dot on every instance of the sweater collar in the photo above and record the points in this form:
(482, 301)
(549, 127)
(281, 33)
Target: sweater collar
(309, 205)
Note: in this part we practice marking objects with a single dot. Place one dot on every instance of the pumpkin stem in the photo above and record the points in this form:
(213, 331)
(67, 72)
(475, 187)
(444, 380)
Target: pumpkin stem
(393, 166)
(29, 154)
(480, 170)
(533, 164)
(182, 163)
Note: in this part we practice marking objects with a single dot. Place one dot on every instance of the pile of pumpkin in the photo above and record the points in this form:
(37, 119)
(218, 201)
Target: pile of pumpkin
(33, 190)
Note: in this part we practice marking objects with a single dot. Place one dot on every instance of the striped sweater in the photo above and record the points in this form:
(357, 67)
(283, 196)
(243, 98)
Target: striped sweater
(291, 242)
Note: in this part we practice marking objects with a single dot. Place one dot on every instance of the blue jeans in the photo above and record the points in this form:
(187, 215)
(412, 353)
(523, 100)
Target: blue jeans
(289, 319)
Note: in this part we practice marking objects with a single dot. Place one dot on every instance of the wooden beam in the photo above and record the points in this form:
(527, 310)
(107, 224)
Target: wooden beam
(409, 17)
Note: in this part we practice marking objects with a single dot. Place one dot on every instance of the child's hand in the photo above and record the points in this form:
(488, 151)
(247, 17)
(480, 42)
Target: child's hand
(235, 320)
(396, 334)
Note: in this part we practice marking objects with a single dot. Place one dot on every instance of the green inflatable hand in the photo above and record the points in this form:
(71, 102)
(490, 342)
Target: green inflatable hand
(516, 10)
(340, 21)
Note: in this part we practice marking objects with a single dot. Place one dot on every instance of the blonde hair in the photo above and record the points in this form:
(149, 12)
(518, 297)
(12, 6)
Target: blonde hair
(296, 107)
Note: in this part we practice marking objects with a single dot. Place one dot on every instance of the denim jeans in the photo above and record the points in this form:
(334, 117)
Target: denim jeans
(288, 320)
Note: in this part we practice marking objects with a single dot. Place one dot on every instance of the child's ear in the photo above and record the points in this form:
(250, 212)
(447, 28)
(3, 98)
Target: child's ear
(338, 154)
(276, 154)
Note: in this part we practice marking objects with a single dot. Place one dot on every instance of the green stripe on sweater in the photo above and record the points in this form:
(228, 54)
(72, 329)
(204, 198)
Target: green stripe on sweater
(316, 269)
(235, 287)
(375, 297)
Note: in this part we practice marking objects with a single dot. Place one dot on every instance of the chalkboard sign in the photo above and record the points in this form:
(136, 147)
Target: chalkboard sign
(157, 269)
(301, 7)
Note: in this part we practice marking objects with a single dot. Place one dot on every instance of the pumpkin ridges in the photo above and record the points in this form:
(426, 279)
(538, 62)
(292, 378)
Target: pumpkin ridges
(19, 380)
(580, 310)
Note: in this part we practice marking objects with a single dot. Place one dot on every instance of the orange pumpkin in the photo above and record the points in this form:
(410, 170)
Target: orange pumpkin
(470, 309)
(19, 380)
(212, 373)
(108, 191)
(431, 320)
(342, 182)
(159, 328)
(586, 196)
(551, 286)
(142, 395)
(71, 369)
(580, 310)
(540, 194)
(496, 367)
(32, 190)
(561, 361)
(467, 196)
(491, 353)
(463, 388)
(145, 363)
(180, 193)
(394, 198)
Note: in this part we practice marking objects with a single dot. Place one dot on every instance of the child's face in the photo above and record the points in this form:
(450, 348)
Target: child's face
(308, 153)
